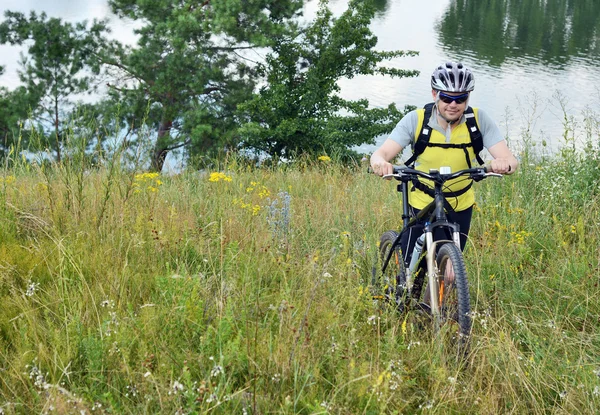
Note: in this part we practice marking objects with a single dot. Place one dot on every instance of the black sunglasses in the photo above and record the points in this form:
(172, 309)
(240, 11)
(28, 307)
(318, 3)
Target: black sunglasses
(449, 98)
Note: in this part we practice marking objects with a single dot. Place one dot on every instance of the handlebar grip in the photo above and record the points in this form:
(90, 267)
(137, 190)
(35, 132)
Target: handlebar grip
(487, 169)
(398, 169)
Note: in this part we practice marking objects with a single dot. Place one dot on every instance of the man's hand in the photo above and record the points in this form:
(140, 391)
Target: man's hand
(381, 167)
(380, 159)
(501, 165)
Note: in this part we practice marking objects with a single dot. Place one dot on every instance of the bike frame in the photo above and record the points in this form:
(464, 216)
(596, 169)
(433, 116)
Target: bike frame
(435, 217)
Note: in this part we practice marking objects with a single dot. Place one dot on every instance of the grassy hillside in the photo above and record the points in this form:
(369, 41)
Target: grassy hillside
(246, 290)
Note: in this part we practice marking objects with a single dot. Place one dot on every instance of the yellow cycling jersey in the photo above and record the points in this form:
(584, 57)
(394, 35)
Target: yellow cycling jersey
(436, 157)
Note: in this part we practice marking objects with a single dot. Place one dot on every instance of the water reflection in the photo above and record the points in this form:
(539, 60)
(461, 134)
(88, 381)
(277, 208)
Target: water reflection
(495, 31)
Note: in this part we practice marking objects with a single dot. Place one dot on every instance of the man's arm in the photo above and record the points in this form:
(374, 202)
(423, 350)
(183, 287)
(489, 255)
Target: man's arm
(401, 137)
(504, 161)
(380, 160)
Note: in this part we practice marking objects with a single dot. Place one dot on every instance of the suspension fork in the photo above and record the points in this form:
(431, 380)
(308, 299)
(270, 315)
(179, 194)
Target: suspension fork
(456, 238)
(433, 282)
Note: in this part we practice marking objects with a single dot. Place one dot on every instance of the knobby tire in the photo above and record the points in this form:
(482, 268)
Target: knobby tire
(393, 279)
(455, 306)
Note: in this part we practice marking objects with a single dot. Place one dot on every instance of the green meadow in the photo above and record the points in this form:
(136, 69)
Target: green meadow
(246, 290)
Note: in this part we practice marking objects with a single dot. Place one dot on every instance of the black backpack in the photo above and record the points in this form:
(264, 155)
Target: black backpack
(423, 140)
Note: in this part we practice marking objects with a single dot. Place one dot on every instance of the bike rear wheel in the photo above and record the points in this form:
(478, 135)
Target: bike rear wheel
(392, 281)
(453, 298)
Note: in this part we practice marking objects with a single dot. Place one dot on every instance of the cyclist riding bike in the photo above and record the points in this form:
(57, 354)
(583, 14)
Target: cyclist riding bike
(444, 133)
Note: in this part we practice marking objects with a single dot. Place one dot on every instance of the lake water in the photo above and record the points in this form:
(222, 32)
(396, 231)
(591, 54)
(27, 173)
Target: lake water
(524, 55)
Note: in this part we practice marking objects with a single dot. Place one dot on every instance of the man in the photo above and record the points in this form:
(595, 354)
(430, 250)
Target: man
(450, 143)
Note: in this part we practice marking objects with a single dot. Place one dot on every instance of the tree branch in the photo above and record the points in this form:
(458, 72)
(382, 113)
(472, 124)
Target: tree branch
(174, 147)
(211, 89)
(121, 67)
(116, 88)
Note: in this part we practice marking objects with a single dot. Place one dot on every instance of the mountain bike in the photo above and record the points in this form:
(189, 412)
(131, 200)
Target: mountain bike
(436, 265)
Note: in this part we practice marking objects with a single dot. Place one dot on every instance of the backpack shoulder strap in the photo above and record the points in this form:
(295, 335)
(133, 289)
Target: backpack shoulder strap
(475, 133)
(424, 134)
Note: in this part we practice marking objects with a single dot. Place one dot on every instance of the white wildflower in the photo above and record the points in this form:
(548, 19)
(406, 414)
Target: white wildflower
(31, 288)
(216, 371)
(326, 405)
(176, 387)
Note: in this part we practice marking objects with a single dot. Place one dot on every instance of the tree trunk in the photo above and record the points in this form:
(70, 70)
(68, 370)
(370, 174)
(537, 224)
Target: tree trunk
(161, 148)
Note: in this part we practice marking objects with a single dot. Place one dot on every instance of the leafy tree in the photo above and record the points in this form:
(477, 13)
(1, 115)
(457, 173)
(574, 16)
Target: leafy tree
(60, 65)
(7, 121)
(299, 110)
(187, 73)
(14, 107)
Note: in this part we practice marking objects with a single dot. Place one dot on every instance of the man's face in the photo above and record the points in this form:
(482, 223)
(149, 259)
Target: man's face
(449, 108)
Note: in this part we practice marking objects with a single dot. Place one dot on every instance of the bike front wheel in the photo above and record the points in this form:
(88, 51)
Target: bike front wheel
(393, 279)
(453, 297)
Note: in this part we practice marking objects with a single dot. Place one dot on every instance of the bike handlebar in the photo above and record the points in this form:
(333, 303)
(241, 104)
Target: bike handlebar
(404, 173)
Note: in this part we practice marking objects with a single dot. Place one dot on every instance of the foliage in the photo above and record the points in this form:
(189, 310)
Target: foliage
(299, 109)
(13, 109)
(59, 66)
(189, 74)
(188, 67)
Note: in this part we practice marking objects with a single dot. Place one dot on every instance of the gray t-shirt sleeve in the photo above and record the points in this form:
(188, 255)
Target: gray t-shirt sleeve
(404, 132)
(490, 131)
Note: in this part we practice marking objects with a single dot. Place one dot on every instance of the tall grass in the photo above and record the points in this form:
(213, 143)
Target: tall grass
(246, 290)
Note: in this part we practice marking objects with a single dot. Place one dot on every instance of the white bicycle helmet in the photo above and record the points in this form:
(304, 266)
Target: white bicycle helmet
(453, 77)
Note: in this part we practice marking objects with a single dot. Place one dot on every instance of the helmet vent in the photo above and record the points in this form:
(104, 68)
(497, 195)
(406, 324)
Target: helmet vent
(452, 77)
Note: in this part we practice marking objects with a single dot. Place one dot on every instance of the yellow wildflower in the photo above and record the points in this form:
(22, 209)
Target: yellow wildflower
(7, 179)
(218, 176)
(264, 192)
(325, 158)
(145, 176)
